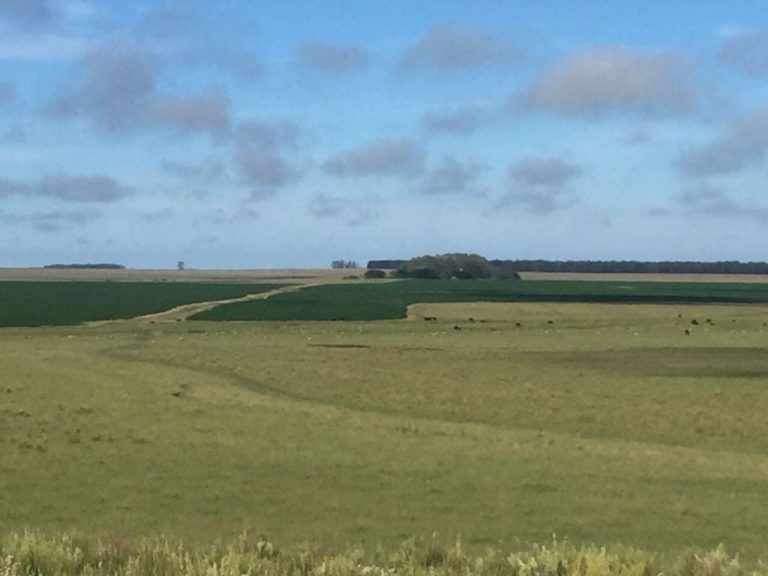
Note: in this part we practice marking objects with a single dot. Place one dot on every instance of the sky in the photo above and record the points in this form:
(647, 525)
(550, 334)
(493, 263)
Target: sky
(273, 134)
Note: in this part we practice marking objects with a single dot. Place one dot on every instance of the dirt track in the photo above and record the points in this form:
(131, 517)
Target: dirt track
(181, 313)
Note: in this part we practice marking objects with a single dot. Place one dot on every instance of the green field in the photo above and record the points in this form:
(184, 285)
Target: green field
(389, 300)
(598, 422)
(68, 303)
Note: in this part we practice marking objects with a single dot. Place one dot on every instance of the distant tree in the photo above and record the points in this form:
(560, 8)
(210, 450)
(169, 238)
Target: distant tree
(386, 264)
(341, 264)
(373, 274)
(180, 265)
(633, 267)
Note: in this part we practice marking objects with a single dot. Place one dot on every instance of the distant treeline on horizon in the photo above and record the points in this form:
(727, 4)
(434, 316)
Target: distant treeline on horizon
(105, 266)
(611, 266)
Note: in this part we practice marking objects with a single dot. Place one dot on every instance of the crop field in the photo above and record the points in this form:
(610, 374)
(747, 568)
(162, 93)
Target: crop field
(285, 275)
(68, 303)
(645, 277)
(500, 423)
(390, 300)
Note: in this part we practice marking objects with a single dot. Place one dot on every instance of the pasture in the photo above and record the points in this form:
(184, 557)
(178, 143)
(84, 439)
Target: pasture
(598, 422)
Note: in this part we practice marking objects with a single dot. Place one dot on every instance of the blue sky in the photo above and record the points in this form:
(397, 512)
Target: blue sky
(289, 134)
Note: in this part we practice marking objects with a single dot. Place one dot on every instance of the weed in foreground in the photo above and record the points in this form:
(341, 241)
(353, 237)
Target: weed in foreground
(75, 554)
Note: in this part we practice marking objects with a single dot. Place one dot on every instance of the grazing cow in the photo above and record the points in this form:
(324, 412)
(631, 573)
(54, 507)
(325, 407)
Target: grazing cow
(430, 318)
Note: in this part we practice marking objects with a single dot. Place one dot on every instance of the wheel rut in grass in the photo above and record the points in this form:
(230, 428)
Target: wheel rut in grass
(613, 447)
(264, 388)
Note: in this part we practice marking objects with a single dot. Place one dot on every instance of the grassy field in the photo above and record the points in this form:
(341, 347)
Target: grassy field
(598, 422)
(390, 300)
(68, 303)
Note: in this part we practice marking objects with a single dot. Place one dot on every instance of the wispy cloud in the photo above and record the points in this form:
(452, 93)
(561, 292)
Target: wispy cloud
(206, 172)
(743, 145)
(116, 90)
(7, 92)
(462, 120)
(540, 185)
(613, 80)
(16, 135)
(331, 58)
(716, 203)
(746, 50)
(352, 211)
(27, 13)
(68, 188)
(452, 176)
(386, 157)
(260, 156)
(54, 220)
(448, 47)
(207, 112)
(113, 87)
(184, 36)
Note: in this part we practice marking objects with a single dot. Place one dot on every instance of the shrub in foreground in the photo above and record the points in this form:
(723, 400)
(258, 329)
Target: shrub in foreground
(65, 555)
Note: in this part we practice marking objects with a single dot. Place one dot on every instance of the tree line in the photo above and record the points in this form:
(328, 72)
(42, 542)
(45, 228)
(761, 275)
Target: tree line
(609, 266)
(101, 266)
(635, 266)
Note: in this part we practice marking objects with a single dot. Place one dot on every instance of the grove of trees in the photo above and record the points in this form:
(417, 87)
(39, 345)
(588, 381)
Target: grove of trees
(461, 266)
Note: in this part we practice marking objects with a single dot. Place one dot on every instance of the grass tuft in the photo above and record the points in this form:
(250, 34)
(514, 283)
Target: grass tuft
(30, 552)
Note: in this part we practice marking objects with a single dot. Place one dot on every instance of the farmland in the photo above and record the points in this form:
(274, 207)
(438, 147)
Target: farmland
(389, 300)
(499, 422)
(68, 303)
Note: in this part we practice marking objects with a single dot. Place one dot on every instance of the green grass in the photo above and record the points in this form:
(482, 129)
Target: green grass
(68, 303)
(389, 300)
(608, 424)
